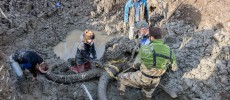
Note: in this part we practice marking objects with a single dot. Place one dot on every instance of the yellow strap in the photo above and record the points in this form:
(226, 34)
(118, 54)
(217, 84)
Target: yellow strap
(110, 73)
(115, 67)
(117, 61)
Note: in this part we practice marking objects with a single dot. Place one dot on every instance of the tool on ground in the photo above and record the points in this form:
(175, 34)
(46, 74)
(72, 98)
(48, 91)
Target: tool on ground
(87, 92)
(3, 13)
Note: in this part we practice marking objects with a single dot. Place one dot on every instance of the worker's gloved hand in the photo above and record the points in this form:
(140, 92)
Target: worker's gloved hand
(136, 48)
(33, 78)
(174, 68)
(137, 36)
(133, 65)
(97, 63)
(94, 58)
(149, 22)
(130, 64)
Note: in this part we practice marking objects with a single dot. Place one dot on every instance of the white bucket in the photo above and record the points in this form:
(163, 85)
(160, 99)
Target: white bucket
(16, 67)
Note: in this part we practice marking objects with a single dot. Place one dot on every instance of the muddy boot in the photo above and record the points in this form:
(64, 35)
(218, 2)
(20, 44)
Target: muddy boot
(121, 87)
(72, 61)
(87, 66)
(145, 97)
(122, 95)
(77, 69)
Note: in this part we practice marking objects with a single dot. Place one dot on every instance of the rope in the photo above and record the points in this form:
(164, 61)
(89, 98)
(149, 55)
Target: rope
(114, 67)
(110, 65)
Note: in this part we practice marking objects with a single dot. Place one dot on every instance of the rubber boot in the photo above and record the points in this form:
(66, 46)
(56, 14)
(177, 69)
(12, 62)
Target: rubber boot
(145, 96)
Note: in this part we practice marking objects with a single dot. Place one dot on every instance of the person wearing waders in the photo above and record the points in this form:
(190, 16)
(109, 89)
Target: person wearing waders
(156, 57)
(135, 11)
(85, 52)
(29, 60)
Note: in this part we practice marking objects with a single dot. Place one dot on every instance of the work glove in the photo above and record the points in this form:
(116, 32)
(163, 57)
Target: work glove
(34, 78)
(134, 66)
(149, 22)
(97, 63)
(137, 48)
(137, 35)
(174, 67)
(95, 57)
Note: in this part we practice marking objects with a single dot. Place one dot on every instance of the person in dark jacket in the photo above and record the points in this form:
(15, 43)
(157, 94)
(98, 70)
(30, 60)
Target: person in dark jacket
(85, 50)
(29, 60)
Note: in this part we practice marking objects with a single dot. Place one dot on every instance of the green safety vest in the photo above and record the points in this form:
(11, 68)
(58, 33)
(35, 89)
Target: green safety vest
(156, 55)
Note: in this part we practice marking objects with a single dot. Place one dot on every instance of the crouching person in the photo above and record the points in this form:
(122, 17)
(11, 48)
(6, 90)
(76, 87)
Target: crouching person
(85, 50)
(155, 58)
(29, 60)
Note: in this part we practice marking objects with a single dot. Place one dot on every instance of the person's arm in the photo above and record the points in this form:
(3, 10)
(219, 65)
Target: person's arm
(93, 51)
(146, 11)
(33, 72)
(174, 63)
(126, 12)
(137, 61)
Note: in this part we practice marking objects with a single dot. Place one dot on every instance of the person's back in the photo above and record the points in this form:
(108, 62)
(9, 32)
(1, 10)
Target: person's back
(156, 58)
(22, 56)
(30, 60)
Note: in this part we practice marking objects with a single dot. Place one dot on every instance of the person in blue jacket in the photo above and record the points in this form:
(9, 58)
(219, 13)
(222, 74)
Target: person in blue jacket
(135, 10)
(29, 60)
(142, 27)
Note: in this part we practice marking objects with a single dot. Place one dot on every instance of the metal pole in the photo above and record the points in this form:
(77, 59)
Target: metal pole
(87, 92)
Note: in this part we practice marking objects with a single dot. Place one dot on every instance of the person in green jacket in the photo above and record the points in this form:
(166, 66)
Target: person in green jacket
(154, 59)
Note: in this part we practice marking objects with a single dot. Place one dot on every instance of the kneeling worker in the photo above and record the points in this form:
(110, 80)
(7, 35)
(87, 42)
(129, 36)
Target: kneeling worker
(156, 58)
(29, 60)
(85, 50)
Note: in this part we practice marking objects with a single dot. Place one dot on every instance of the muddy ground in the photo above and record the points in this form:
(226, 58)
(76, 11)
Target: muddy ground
(199, 35)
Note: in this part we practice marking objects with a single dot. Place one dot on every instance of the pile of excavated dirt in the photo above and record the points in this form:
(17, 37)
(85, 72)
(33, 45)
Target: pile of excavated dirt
(199, 35)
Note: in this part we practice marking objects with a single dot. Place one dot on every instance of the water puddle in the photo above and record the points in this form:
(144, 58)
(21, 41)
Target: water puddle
(68, 48)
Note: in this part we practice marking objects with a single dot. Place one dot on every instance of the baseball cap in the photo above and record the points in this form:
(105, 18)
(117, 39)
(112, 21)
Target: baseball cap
(141, 24)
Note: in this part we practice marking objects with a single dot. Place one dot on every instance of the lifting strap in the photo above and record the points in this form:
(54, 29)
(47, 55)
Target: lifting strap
(161, 55)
